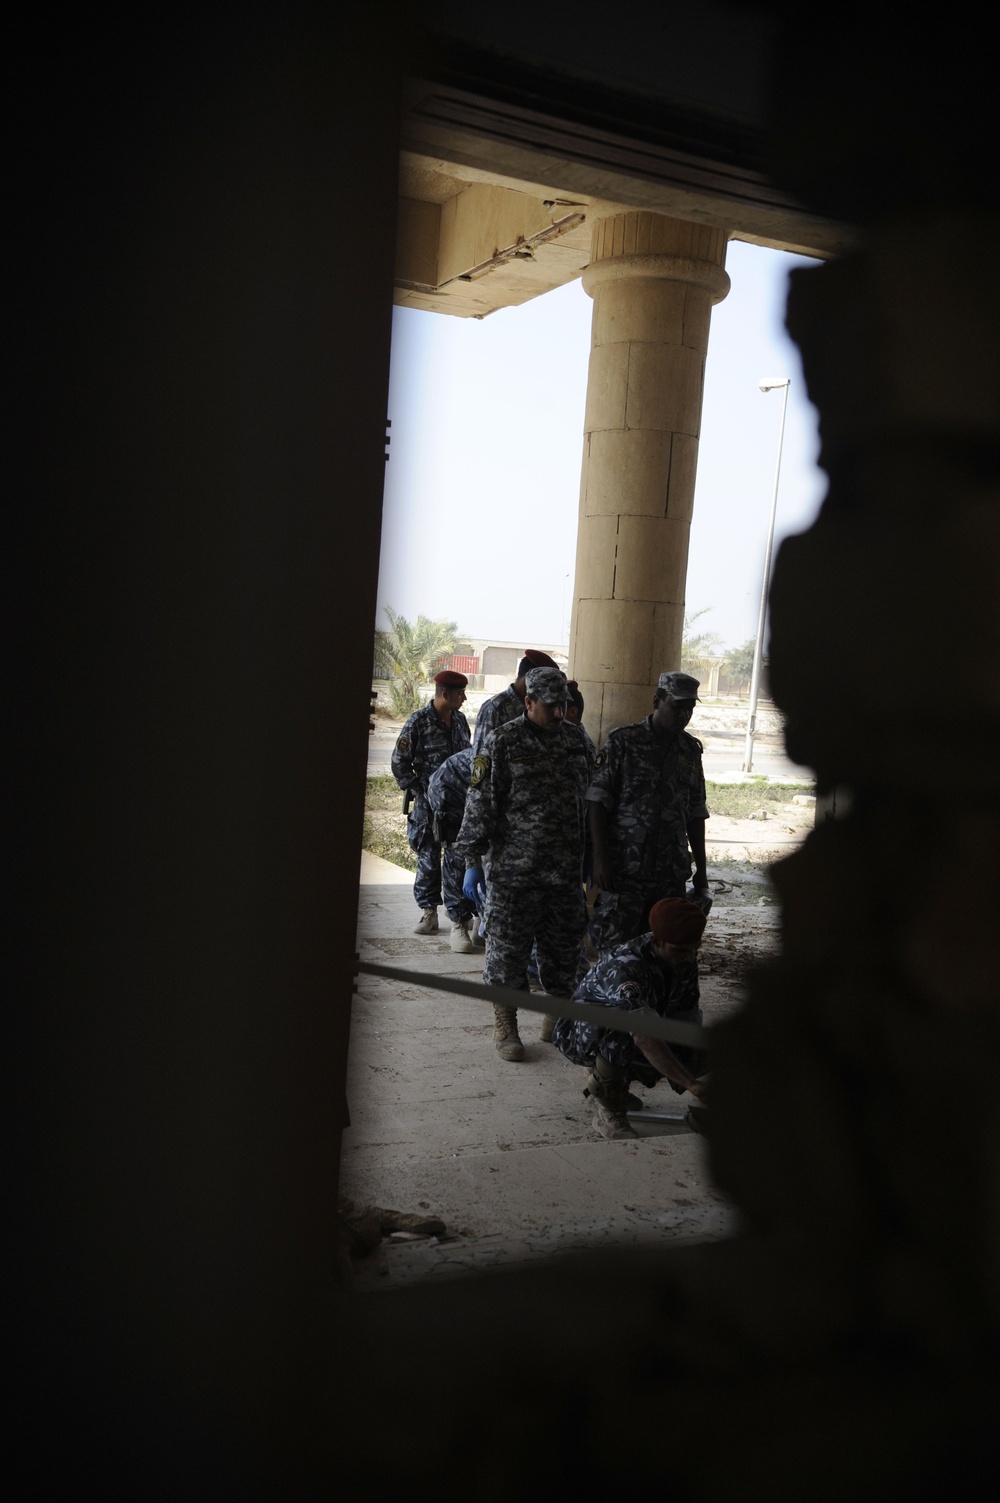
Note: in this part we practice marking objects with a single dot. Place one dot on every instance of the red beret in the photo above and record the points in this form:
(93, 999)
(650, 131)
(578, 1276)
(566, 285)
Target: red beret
(449, 679)
(539, 659)
(572, 685)
(674, 921)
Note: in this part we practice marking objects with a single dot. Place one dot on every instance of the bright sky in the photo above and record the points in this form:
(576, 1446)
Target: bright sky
(482, 488)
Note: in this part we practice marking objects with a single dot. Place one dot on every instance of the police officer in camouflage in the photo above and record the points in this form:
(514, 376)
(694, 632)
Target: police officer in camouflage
(526, 813)
(509, 703)
(574, 714)
(429, 737)
(446, 794)
(657, 971)
(647, 813)
(447, 790)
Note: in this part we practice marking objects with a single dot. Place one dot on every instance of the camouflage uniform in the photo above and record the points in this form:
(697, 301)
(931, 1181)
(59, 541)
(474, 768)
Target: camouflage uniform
(507, 705)
(446, 792)
(423, 744)
(526, 808)
(632, 976)
(652, 787)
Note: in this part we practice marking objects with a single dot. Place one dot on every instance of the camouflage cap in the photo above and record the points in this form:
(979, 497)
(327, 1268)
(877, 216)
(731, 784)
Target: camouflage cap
(678, 685)
(548, 685)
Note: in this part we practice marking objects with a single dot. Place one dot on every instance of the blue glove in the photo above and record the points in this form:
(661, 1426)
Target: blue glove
(474, 878)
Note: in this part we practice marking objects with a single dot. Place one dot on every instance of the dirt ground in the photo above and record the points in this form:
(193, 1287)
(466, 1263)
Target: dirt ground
(505, 1155)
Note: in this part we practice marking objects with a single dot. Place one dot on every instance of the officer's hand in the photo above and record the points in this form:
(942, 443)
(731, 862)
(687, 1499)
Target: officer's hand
(701, 897)
(602, 873)
(474, 877)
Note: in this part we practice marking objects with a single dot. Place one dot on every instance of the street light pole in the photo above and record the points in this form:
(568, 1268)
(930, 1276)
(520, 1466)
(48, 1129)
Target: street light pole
(768, 383)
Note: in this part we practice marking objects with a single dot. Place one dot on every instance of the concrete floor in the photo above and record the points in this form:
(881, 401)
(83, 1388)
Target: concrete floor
(505, 1154)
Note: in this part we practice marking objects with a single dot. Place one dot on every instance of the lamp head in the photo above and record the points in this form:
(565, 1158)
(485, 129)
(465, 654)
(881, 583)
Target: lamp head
(769, 383)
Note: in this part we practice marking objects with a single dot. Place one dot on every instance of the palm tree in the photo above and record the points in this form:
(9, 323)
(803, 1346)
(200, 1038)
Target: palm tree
(698, 649)
(408, 654)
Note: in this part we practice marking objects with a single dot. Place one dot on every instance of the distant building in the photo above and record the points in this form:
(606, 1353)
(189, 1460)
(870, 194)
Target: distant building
(492, 663)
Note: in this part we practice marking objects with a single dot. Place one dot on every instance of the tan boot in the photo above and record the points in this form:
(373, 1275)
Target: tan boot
(460, 939)
(506, 1039)
(607, 1088)
(428, 921)
(612, 1122)
(548, 1028)
(606, 1082)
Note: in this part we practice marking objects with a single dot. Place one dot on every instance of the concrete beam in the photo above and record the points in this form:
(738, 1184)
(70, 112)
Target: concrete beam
(418, 237)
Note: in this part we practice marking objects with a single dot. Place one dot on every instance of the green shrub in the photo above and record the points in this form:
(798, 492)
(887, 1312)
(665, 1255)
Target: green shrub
(385, 823)
(740, 800)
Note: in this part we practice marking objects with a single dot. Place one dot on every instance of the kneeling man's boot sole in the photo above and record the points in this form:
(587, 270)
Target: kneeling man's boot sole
(506, 1039)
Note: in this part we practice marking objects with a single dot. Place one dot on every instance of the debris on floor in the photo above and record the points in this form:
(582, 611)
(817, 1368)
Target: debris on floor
(361, 1229)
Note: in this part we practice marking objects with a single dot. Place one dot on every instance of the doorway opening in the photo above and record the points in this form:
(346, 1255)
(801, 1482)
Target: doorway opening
(479, 537)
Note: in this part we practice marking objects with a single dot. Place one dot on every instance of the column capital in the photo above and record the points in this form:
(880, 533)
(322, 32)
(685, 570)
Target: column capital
(709, 277)
(642, 244)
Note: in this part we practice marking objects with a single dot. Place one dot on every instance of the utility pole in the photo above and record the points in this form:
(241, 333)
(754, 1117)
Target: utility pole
(768, 383)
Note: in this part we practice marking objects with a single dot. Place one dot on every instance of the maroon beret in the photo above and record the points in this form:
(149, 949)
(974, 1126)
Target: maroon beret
(449, 679)
(539, 659)
(674, 921)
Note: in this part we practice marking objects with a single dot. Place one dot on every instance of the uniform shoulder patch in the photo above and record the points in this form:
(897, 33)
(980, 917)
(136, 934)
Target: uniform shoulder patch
(480, 767)
(403, 744)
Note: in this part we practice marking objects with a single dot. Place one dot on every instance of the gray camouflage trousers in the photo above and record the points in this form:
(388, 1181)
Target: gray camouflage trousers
(438, 867)
(552, 919)
(581, 1043)
(621, 916)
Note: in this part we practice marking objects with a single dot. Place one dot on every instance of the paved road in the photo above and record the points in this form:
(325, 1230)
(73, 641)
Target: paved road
(723, 754)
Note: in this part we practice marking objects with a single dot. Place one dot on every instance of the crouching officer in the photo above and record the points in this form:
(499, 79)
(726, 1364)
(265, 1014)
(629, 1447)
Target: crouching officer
(658, 970)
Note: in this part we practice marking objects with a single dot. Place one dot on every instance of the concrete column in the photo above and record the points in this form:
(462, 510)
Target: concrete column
(654, 281)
